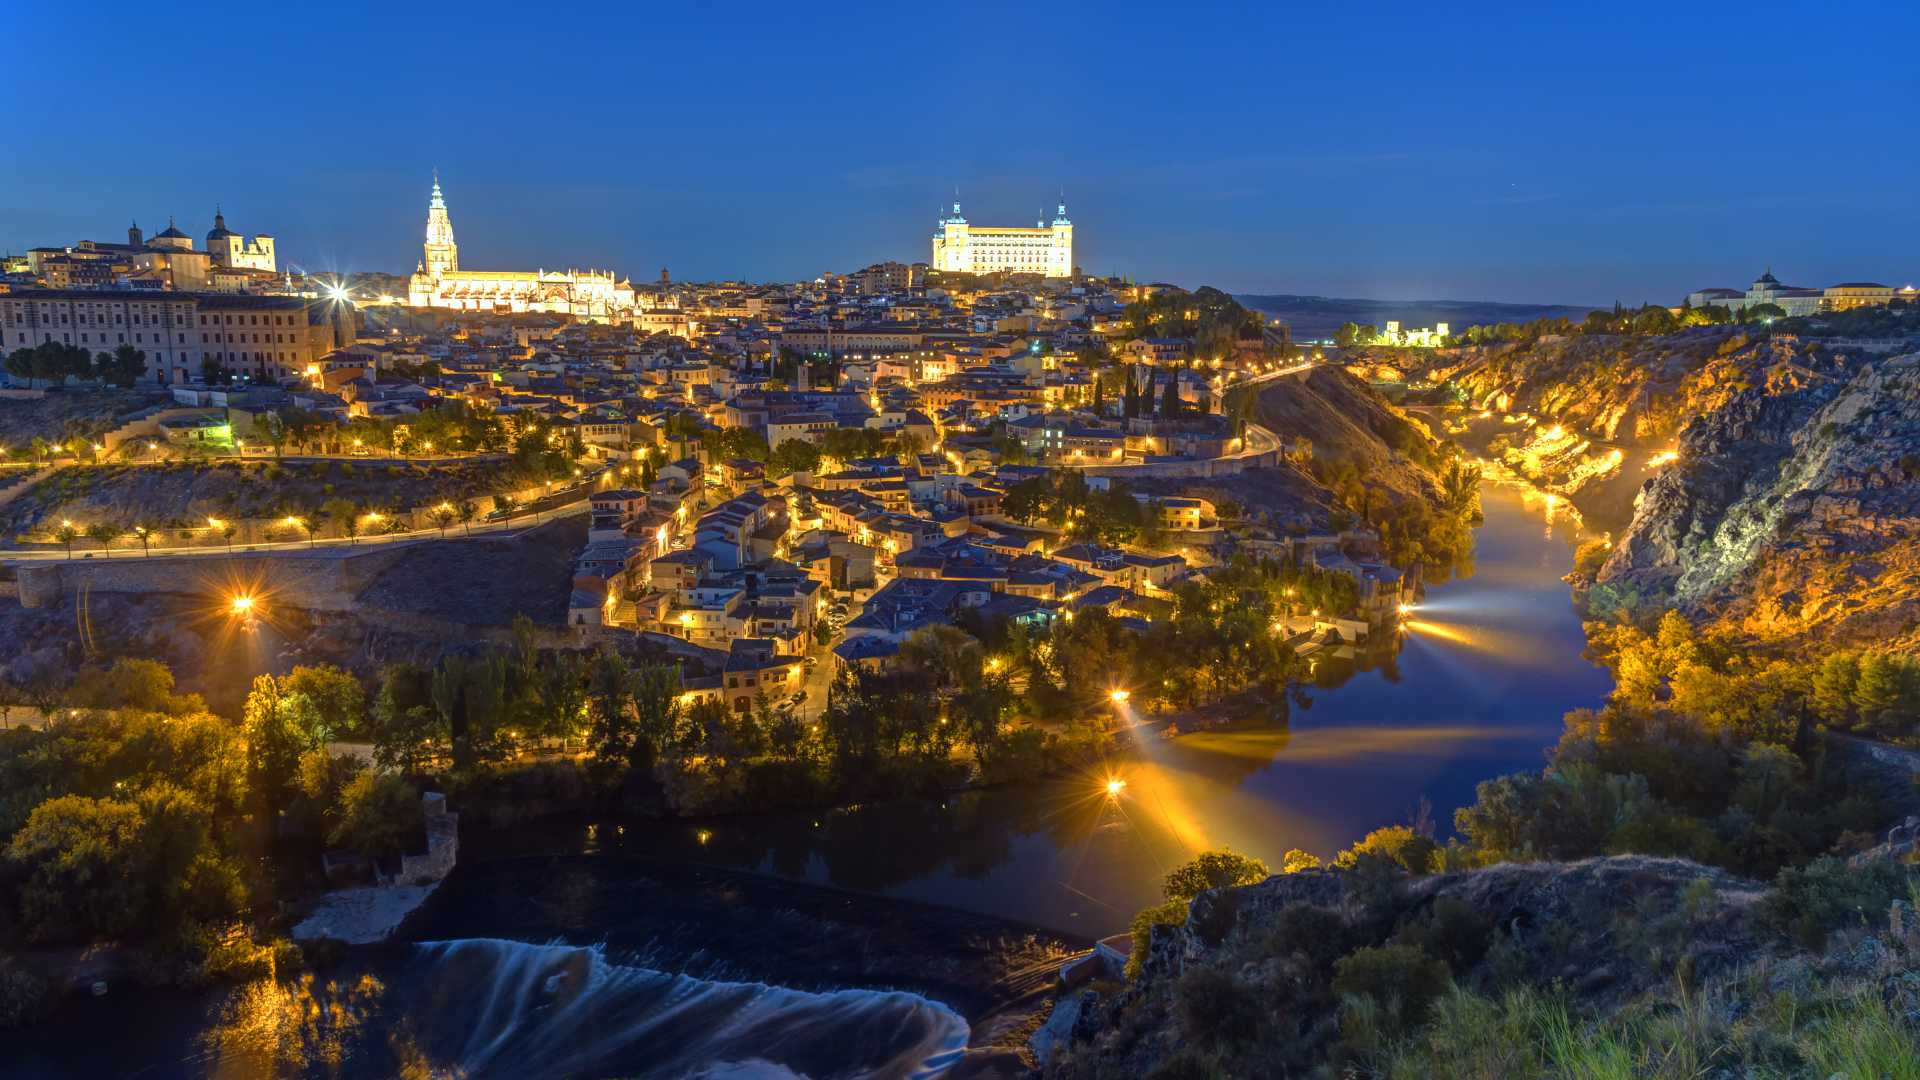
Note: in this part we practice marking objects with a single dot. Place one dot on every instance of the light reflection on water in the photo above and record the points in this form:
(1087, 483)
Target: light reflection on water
(1477, 690)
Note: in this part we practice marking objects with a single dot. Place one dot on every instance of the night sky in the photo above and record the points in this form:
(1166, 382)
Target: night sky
(1626, 152)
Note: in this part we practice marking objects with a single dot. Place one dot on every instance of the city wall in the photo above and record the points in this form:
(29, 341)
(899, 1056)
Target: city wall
(1199, 469)
(320, 580)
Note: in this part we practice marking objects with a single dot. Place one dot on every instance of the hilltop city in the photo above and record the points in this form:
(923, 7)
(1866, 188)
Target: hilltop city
(459, 610)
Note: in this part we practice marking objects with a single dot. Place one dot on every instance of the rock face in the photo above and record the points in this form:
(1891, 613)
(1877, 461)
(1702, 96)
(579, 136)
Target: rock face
(1794, 509)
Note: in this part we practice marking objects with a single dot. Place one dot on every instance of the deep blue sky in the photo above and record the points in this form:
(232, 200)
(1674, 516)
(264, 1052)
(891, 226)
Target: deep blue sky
(1623, 152)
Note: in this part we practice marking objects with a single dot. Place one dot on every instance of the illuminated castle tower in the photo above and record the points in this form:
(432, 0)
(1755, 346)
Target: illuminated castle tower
(443, 254)
(1043, 249)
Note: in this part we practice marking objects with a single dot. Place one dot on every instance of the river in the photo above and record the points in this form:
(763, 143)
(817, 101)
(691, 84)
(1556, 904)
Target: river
(590, 960)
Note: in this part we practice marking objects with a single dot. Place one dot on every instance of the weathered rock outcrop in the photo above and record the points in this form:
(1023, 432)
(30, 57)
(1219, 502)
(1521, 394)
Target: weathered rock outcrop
(1794, 509)
(1607, 930)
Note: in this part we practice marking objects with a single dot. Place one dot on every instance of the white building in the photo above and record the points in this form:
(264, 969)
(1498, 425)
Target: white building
(1044, 249)
(1796, 300)
(440, 282)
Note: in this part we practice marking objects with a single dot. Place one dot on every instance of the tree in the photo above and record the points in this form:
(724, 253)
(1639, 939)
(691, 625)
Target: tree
(407, 729)
(1884, 692)
(131, 683)
(113, 867)
(1212, 870)
(610, 715)
(380, 815)
(104, 533)
(442, 516)
(336, 698)
(466, 510)
(1026, 499)
(144, 534)
(1833, 687)
(66, 534)
(122, 367)
(274, 741)
(345, 516)
(19, 364)
(791, 456)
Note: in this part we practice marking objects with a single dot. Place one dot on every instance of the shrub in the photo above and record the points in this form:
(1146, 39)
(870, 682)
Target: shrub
(1213, 870)
(1398, 843)
(380, 814)
(23, 996)
(1811, 901)
(1310, 931)
(1170, 913)
(1215, 1009)
(1400, 979)
(1454, 931)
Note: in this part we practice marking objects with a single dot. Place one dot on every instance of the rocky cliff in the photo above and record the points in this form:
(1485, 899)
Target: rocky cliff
(1793, 509)
(1766, 484)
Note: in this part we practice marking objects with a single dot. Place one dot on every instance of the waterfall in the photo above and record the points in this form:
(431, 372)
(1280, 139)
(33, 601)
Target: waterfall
(485, 1007)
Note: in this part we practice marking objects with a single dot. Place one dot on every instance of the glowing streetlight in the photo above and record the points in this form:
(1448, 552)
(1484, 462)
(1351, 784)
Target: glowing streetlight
(241, 605)
(1115, 786)
(1406, 610)
(1120, 697)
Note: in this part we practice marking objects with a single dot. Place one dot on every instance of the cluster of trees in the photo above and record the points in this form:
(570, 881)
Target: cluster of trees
(1648, 320)
(798, 455)
(55, 361)
(1704, 750)
(540, 450)
(1437, 533)
(1214, 321)
(136, 815)
(1063, 499)
(1138, 398)
(1219, 638)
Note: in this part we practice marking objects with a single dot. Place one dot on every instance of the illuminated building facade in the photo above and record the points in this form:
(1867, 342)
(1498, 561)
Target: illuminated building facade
(439, 282)
(1044, 249)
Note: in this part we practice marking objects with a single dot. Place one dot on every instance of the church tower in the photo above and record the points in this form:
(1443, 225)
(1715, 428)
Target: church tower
(443, 255)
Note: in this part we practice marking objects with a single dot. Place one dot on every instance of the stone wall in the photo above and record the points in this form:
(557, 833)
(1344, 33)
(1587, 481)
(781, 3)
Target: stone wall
(1197, 469)
(320, 579)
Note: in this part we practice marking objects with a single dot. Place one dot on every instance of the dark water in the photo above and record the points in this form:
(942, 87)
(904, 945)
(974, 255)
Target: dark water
(1477, 690)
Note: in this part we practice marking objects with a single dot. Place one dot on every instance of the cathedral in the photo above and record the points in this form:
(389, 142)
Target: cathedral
(438, 282)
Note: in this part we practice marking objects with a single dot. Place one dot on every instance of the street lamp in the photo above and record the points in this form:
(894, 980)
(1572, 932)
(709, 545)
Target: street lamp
(241, 606)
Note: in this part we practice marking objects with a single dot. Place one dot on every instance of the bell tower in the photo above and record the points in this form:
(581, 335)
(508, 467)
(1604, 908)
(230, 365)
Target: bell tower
(443, 255)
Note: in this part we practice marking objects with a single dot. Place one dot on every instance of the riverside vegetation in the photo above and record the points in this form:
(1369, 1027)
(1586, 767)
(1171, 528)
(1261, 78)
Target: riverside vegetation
(1602, 917)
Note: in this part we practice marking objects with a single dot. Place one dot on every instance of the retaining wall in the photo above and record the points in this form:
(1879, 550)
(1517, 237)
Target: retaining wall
(321, 580)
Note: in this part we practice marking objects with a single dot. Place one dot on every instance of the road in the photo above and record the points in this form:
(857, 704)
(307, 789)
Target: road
(519, 523)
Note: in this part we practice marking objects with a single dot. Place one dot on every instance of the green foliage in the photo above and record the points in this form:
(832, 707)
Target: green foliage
(1827, 894)
(379, 815)
(1398, 844)
(1215, 1009)
(104, 868)
(1212, 870)
(1453, 930)
(1400, 980)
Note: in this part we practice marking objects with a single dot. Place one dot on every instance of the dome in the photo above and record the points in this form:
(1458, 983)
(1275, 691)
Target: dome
(219, 227)
(173, 233)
